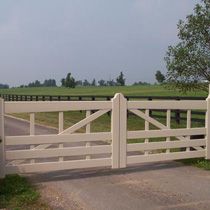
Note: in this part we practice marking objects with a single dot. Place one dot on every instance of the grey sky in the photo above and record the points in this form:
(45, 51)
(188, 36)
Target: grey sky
(42, 39)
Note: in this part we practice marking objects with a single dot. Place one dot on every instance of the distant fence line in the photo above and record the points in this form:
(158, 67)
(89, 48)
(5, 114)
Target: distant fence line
(176, 114)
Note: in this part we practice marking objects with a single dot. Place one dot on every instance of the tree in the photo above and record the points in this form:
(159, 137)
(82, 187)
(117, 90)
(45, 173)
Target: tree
(120, 80)
(70, 81)
(79, 83)
(111, 82)
(63, 81)
(86, 83)
(159, 77)
(37, 83)
(188, 62)
(49, 83)
(102, 82)
(4, 86)
(141, 83)
(93, 82)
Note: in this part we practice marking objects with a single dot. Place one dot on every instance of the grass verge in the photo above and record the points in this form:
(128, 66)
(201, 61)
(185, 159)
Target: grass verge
(198, 162)
(18, 194)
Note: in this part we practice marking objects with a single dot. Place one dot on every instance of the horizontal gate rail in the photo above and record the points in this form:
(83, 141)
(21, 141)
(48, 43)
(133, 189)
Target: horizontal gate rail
(184, 105)
(53, 139)
(58, 152)
(164, 157)
(56, 166)
(165, 133)
(165, 145)
(23, 107)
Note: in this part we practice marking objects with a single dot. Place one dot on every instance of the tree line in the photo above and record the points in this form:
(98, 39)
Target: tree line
(70, 82)
(37, 83)
(4, 86)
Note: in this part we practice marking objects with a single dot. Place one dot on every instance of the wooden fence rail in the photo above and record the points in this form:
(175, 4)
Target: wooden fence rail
(15, 97)
(177, 115)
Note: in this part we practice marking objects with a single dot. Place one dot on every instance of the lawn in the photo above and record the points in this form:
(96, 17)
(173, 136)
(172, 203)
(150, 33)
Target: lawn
(141, 90)
(18, 194)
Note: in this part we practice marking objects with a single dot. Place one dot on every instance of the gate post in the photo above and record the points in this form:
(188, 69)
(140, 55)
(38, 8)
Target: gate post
(208, 127)
(119, 131)
(115, 130)
(2, 144)
(123, 131)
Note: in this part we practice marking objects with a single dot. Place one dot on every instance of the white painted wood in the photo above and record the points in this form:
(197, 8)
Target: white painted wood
(164, 156)
(53, 139)
(153, 121)
(146, 126)
(87, 129)
(184, 104)
(57, 166)
(57, 152)
(54, 106)
(149, 119)
(168, 125)
(166, 133)
(165, 145)
(84, 122)
(88, 113)
(188, 125)
(123, 131)
(32, 124)
(60, 122)
(32, 131)
(2, 140)
(115, 130)
(157, 124)
(208, 127)
(60, 129)
(73, 128)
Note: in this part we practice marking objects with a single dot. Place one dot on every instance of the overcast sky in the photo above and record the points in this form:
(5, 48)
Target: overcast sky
(42, 39)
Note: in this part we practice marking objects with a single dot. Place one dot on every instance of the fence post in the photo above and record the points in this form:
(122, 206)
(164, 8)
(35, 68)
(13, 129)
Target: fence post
(208, 127)
(123, 131)
(2, 145)
(115, 130)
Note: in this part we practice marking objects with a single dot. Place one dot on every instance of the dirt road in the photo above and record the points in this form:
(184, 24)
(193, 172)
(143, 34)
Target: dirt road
(166, 185)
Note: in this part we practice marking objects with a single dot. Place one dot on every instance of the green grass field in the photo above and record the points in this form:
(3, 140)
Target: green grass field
(150, 90)
(17, 193)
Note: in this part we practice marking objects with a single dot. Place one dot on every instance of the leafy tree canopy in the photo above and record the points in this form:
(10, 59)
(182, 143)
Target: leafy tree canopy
(120, 80)
(188, 62)
(159, 77)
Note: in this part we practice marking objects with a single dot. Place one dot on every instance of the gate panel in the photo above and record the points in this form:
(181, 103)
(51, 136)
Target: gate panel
(163, 142)
(65, 150)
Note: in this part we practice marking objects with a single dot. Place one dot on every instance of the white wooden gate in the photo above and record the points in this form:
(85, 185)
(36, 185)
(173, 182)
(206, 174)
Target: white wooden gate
(39, 153)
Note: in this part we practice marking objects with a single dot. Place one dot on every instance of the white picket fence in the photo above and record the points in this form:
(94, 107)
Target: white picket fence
(40, 153)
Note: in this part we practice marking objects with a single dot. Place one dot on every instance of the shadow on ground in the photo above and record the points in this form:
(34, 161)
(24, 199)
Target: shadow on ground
(100, 172)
